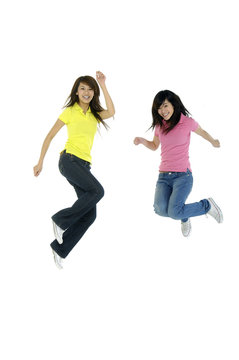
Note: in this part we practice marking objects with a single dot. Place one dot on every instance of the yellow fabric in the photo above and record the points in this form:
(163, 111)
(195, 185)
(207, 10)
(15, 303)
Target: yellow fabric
(81, 130)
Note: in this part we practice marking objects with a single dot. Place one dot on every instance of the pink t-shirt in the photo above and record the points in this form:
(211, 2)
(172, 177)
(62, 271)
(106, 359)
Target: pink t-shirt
(175, 145)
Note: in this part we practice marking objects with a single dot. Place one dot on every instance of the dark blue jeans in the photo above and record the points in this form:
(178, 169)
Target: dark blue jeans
(171, 192)
(76, 220)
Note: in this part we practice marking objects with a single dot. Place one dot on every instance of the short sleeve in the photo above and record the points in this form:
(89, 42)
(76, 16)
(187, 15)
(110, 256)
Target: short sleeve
(156, 131)
(193, 124)
(65, 115)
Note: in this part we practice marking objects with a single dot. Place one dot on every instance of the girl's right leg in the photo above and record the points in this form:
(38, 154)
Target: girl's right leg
(162, 195)
(182, 184)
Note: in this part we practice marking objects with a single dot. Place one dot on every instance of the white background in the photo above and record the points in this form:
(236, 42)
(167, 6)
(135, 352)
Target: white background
(133, 288)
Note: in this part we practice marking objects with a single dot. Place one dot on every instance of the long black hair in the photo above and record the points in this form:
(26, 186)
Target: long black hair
(177, 104)
(95, 102)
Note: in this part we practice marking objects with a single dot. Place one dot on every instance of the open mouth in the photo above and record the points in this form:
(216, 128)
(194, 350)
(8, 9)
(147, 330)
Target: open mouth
(165, 115)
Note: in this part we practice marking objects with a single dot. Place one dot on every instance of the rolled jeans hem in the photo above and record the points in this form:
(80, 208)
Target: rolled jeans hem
(53, 245)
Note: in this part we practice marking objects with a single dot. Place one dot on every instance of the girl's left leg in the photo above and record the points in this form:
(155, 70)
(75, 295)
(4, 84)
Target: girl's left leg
(162, 195)
(177, 209)
(74, 233)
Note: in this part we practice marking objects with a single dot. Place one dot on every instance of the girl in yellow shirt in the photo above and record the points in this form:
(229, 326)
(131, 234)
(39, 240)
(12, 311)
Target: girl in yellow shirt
(82, 114)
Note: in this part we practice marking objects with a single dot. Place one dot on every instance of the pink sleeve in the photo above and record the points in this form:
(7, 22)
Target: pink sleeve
(156, 131)
(193, 125)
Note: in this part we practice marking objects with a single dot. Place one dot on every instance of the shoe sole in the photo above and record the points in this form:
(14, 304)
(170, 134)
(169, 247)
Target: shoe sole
(60, 241)
(219, 211)
(188, 234)
(59, 266)
(189, 231)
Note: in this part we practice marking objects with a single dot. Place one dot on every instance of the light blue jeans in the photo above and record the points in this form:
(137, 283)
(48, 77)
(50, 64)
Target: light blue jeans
(172, 190)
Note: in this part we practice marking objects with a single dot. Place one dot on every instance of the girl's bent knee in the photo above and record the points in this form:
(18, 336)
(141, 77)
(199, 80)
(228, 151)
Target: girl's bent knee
(174, 214)
(101, 192)
(161, 211)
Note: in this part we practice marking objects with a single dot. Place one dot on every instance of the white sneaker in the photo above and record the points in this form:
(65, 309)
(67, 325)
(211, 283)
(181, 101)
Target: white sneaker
(58, 232)
(186, 228)
(58, 260)
(215, 211)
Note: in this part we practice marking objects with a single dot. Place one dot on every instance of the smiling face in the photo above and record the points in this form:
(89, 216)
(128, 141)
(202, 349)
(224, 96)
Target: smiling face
(166, 110)
(85, 94)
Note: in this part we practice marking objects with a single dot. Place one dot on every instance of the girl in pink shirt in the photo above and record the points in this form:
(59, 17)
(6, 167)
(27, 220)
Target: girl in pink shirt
(172, 129)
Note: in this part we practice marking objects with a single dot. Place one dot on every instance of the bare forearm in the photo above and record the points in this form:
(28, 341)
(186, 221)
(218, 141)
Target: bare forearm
(148, 144)
(54, 130)
(108, 101)
(207, 137)
(44, 148)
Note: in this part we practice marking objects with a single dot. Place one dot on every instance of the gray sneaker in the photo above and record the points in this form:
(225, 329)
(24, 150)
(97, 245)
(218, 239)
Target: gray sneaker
(186, 228)
(58, 260)
(215, 211)
(58, 232)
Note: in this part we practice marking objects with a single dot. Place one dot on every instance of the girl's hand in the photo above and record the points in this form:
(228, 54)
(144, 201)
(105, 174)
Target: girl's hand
(137, 141)
(100, 78)
(37, 169)
(216, 143)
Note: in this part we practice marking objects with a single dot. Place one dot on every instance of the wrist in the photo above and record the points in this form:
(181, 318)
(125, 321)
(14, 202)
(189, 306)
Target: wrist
(102, 85)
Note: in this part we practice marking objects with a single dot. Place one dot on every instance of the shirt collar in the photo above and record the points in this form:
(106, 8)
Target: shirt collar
(78, 108)
(180, 121)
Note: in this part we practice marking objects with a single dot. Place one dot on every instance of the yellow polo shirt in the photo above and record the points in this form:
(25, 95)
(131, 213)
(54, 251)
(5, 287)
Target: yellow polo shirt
(81, 130)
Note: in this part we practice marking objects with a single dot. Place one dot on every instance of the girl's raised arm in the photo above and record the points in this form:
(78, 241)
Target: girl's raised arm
(105, 114)
(54, 130)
